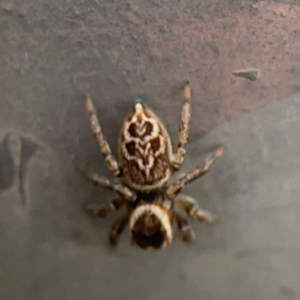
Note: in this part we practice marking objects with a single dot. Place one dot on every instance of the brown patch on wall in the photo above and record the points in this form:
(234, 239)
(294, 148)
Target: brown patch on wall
(161, 52)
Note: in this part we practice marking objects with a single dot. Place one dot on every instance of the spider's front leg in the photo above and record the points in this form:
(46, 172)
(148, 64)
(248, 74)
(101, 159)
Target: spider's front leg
(110, 160)
(118, 228)
(184, 227)
(183, 134)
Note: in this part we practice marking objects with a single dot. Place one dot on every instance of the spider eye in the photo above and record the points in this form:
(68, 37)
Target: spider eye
(145, 241)
(150, 227)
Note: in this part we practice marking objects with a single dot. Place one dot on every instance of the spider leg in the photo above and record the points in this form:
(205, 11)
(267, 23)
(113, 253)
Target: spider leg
(110, 160)
(183, 134)
(101, 211)
(185, 179)
(202, 169)
(190, 205)
(119, 188)
(117, 228)
(185, 229)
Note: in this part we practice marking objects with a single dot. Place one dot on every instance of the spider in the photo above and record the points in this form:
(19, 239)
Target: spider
(144, 181)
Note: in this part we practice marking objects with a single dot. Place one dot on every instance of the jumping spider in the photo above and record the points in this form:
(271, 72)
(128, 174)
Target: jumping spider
(144, 182)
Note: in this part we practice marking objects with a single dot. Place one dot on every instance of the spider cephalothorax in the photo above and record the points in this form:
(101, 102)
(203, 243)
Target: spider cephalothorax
(144, 183)
(150, 226)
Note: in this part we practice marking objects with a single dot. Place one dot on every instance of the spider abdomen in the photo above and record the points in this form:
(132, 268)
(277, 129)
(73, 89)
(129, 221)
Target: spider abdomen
(145, 150)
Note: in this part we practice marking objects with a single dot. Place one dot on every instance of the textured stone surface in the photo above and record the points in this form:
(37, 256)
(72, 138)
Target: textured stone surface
(51, 250)
(53, 53)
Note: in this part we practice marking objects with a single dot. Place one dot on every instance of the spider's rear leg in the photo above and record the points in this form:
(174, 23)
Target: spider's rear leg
(190, 205)
(119, 188)
(117, 228)
(110, 160)
(101, 211)
(185, 229)
(183, 134)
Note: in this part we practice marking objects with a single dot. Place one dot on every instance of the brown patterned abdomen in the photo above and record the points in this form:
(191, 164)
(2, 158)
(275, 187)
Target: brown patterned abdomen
(145, 150)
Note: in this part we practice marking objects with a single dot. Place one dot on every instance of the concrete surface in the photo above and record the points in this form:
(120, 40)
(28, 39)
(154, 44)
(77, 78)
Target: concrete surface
(51, 54)
(51, 250)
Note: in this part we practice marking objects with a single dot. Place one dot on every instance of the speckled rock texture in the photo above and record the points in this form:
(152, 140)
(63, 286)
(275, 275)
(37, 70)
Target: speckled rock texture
(52, 53)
